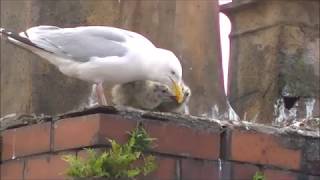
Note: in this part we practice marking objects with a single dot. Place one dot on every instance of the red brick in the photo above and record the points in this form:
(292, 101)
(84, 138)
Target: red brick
(76, 132)
(278, 174)
(94, 129)
(199, 170)
(184, 141)
(90, 130)
(166, 169)
(261, 148)
(243, 171)
(26, 141)
(116, 127)
(12, 170)
(46, 167)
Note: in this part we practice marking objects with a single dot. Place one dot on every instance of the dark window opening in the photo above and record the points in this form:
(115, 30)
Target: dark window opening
(290, 101)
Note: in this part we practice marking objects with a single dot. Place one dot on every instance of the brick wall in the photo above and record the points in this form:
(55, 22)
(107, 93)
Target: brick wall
(186, 147)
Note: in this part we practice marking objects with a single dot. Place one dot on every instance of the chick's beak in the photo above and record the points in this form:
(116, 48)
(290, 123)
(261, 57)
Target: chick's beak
(177, 90)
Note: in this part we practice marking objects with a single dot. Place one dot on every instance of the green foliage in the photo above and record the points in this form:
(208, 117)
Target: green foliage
(140, 140)
(117, 163)
(259, 176)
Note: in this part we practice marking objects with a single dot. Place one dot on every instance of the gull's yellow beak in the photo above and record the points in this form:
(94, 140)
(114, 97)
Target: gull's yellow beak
(177, 90)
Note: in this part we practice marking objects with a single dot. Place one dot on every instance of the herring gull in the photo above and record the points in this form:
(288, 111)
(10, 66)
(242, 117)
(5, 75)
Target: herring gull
(150, 95)
(101, 54)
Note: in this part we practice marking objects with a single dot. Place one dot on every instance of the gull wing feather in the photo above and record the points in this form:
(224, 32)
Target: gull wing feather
(81, 43)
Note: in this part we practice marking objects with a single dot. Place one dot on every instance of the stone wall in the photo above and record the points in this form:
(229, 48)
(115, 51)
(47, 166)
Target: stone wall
(185, 147)
(190, 29)
(274, 57)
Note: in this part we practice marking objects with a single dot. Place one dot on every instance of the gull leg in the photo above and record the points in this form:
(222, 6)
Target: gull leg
(100, 94)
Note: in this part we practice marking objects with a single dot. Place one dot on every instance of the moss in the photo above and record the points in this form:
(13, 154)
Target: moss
(259, 176)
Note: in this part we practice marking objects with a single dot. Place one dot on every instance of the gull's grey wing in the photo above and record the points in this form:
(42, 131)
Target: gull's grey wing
(80, 43)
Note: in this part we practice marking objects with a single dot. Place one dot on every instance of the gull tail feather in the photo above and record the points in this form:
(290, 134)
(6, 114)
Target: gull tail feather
(20, 39)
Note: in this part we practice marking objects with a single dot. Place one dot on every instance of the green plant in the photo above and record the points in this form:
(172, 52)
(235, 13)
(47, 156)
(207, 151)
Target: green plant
(259, 176)
(121, 161)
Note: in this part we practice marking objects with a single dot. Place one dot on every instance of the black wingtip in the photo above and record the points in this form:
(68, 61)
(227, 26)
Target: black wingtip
(5, 32)
(19, 38)
(2, 31)
(15, 36)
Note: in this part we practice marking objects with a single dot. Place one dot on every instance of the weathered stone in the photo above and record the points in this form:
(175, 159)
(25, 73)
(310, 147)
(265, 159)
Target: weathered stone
(30, 84)
(189, 29)
(274, 54)
(253, 88)
(299, 57)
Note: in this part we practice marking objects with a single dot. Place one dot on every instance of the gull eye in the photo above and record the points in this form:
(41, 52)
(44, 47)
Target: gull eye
(173, 73)
(164, 91)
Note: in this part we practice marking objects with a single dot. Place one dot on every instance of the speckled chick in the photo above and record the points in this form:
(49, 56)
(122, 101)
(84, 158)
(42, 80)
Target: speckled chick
(173, 106)
(149, 95)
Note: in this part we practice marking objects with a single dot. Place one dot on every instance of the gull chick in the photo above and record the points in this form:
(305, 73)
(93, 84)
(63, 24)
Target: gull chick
(150, 95)
(101, 54)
